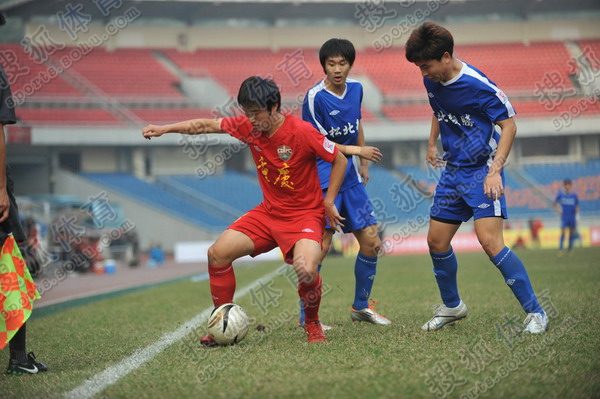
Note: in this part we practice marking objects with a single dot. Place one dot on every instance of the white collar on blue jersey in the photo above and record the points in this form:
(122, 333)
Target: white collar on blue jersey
(332, 93)
(460, 73)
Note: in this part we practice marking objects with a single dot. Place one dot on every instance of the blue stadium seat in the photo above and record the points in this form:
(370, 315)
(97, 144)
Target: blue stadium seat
(238, 191)
(156, 196)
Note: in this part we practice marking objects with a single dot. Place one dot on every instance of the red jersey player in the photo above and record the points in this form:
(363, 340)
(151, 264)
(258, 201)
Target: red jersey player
(291, 216)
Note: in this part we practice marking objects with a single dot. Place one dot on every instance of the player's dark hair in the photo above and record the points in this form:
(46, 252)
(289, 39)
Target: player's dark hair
(429, 41)
(259, 92)
(567, 181)
(337, 48)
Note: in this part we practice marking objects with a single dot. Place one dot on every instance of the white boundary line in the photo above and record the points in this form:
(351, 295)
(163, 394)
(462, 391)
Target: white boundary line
(114, 373)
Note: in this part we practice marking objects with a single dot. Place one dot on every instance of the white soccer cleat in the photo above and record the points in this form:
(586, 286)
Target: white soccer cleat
(370, 316)
(536, 323)
(444, 316)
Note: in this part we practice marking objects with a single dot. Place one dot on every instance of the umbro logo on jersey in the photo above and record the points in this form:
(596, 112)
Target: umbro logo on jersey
(257, 148)
(334, 112)
(483, 206)
(430, 94)
(307, 230)
(510, 281)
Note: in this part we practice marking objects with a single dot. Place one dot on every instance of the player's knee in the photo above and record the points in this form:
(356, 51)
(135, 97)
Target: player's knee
(216, 256)
(371, 247)
(491, 245)
(325, 247)
(306, 276)
(305, 270)
(437, 245)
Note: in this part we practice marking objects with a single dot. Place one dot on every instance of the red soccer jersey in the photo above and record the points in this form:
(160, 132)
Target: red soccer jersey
(286, 163)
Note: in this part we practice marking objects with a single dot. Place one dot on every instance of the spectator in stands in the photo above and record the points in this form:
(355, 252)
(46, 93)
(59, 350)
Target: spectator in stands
(17, 298)
(567, 205)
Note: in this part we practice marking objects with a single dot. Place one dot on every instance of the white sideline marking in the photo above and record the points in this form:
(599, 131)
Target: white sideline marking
(114, 373)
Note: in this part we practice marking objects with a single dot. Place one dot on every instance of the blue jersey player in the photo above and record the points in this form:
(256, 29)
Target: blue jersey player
(466, 108)
(567, 205)
(333, 107)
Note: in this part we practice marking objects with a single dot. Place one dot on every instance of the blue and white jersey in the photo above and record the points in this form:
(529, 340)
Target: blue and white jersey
(568, 203)
(338, 118)
(467, 108)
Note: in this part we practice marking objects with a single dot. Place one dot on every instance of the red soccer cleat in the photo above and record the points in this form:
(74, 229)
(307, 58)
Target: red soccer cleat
(208, 341)
(314, 332)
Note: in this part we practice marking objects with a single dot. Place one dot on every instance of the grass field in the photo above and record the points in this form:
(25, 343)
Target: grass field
(478, 357)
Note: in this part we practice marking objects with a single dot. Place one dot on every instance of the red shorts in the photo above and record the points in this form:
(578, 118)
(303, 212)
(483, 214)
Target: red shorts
(268, 232)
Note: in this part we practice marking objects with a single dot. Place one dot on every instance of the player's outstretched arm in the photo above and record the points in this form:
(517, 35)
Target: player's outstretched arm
(368, 153)
(338, 170)
(492, 185)
(191, 127)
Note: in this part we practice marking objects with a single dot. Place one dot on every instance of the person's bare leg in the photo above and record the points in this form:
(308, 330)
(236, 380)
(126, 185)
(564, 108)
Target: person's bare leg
(307, 254)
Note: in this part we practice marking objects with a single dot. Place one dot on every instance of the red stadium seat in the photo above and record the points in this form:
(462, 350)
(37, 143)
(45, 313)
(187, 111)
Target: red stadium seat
(170, 115)
(127, 73)
(24, 73)
(66, 116)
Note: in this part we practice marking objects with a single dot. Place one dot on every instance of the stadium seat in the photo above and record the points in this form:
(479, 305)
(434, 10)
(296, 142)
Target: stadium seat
(67, 116)
(162, 199)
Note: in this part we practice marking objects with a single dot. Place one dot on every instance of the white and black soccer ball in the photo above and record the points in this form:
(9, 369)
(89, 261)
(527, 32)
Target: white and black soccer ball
(228, 324)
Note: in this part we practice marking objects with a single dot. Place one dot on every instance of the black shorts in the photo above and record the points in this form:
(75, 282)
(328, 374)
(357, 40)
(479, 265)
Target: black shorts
(12, 224)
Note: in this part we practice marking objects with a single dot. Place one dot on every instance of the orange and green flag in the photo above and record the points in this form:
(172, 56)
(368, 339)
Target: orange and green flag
(17, 291)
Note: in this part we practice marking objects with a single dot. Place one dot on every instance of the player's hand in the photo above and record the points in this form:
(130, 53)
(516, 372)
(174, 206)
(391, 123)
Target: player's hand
(433, 157)
(370, 153)
(4, 205)
(153, 131)
(363, 171)
(333, 216)
(492, 186)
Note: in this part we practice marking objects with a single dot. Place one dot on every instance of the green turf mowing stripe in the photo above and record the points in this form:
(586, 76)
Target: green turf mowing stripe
(112, 374)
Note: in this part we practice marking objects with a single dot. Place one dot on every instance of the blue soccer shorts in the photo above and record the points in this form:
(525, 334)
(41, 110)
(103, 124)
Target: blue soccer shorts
(354, 205)
(568, 223)
(459, 196)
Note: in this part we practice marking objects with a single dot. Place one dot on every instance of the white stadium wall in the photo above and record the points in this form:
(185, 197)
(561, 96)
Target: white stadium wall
(99, 159)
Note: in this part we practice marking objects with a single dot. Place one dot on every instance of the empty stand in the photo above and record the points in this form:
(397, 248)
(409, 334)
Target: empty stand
(67, 116)
(510, 65)
(171, 115)
(238, 191)
(160, 198)
(294, 70)
(127, 73)
(29, 75)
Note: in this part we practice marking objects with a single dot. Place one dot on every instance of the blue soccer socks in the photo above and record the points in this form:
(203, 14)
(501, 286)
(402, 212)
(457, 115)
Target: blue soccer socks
(516, 277)
(444, 269)
(365, 269)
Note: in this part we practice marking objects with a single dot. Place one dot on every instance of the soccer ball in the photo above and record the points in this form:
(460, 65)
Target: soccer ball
(228, 324)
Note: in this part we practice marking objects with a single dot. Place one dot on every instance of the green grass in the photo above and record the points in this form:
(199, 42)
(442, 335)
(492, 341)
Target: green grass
(358, 360)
